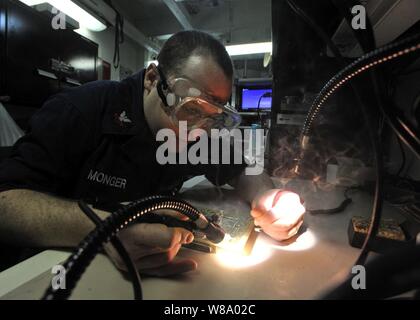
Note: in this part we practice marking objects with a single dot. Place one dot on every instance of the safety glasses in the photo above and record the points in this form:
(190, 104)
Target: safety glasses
(186, 101)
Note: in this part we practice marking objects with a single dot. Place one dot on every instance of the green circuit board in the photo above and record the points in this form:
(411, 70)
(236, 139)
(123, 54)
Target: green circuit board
(234, 225)
(239, 230)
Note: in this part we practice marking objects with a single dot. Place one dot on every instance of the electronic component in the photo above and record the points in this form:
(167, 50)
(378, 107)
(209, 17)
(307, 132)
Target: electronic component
(390, 235)
(141, 211)
(239, 229)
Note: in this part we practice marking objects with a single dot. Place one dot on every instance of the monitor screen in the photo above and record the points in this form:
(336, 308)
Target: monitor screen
(251, 97)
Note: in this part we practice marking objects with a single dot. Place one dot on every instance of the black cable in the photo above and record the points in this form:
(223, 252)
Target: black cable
(136, 212)
(377, 204)
(416, 110)
(366, 62)
(119, 247)
(259, 109)
(265, 95)
(405, 132)
(346, 192)
(366, 39)
(119, 39)
(343, 206)
(400, 126)
(403, 158)
(119, 34)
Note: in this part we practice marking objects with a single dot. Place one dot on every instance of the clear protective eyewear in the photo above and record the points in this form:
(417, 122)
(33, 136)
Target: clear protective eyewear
(186, 101)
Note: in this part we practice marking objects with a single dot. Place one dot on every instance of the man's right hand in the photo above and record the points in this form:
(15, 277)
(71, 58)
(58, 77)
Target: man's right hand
(153, 248)
(30, 218)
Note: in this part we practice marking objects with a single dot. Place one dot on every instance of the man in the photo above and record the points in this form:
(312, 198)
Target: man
(97, 143)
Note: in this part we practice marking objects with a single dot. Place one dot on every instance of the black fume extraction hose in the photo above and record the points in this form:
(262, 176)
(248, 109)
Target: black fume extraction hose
(366, 38)
(119, 247)
(366, 62)
(377, 204)
(136, 212)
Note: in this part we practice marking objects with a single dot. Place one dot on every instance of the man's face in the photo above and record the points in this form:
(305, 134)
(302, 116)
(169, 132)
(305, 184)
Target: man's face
(210, 77)
(207, 75)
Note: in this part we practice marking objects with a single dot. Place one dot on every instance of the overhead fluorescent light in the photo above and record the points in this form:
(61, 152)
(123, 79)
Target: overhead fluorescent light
(32, 2)
(148, 63)
(74, 11)
(250, 48)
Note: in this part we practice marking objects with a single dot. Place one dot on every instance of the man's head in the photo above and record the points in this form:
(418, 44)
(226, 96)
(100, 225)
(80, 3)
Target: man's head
(193, 55)
(174, 56)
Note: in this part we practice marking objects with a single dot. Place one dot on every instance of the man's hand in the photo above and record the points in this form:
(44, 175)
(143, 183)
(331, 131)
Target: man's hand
(33, 219)
(279, 219)
(153, 248)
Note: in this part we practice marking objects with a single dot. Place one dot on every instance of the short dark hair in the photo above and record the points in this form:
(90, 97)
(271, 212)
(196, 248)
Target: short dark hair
(185, 44)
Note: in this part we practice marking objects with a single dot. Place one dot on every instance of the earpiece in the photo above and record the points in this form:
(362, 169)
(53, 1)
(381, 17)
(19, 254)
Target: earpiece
(161, 94)
(171, 99)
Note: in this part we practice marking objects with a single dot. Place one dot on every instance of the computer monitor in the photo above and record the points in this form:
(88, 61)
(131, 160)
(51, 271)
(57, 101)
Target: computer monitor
(252, 99)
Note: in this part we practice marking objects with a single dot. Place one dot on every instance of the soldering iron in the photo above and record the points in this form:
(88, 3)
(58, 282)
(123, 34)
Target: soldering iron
(141, 211)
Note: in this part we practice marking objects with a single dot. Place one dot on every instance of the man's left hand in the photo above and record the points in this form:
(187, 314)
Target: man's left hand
(279, 213)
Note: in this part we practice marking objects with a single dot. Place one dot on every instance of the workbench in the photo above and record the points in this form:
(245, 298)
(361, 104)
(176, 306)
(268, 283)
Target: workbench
(303, 269)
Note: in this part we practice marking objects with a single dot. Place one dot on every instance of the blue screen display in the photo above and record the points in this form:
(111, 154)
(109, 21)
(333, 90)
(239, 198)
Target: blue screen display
(250, 98)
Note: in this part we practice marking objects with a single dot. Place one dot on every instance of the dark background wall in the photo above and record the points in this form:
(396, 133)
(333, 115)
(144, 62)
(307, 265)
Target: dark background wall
(37, 60)
(301, 67)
